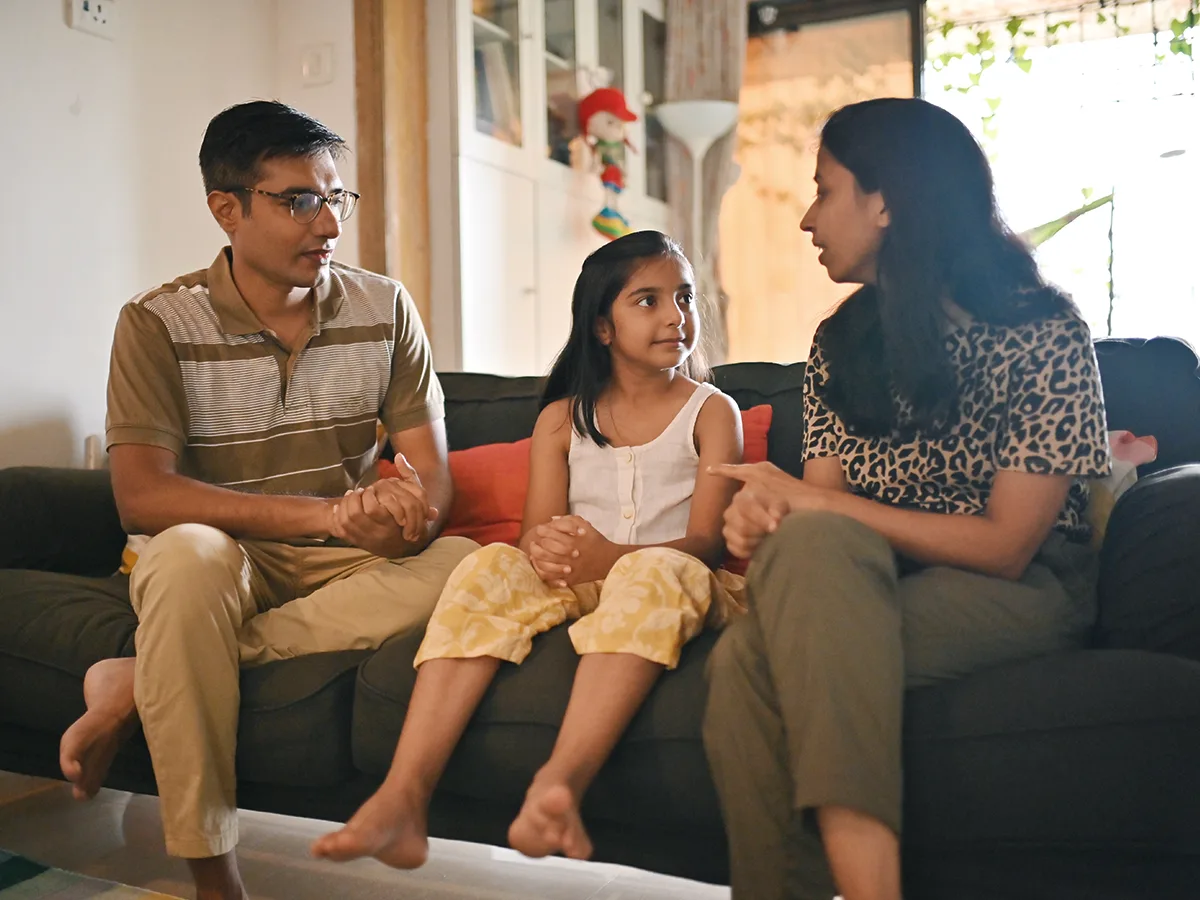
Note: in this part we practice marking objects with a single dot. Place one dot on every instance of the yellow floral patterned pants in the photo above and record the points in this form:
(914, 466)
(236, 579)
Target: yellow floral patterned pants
(652, 603)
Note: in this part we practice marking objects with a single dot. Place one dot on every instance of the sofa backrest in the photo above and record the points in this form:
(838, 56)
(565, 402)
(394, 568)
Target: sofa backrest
(489, 409)
(1151, 387)
(65, 520)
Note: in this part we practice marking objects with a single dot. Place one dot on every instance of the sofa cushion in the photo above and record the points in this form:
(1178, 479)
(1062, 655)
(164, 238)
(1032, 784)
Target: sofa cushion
(295, 717)
(658, 774)
(490, 409)
(1149, 588)
(59, 520)
(1093, 748)
(490, 483)
(752, 384)
(1083, 749)
(294, 725)
(55, 627)
(756, 433)
(1153, 387)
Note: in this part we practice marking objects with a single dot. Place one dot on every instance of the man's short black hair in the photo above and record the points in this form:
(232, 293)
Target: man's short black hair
(239, 139)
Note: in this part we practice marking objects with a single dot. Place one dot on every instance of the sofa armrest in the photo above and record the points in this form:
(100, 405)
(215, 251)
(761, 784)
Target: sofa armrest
(1149, 588)
(59, 520)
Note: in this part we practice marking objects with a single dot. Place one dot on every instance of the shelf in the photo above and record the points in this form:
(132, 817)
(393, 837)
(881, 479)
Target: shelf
(488, 32)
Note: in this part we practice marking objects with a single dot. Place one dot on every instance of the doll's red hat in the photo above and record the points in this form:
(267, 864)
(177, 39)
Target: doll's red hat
(609, 100)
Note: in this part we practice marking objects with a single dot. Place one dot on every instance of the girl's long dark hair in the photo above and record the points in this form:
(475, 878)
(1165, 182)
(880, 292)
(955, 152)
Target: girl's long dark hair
(584, 366)
(945, 240)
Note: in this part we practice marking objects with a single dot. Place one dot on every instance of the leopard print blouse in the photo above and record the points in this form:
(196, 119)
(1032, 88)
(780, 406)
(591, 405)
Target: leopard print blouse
(1030, 401)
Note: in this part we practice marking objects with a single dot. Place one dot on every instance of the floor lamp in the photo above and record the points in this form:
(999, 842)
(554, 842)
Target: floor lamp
(697, 124)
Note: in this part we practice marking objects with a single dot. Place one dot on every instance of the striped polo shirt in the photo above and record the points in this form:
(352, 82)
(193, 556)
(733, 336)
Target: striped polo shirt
(195, 372)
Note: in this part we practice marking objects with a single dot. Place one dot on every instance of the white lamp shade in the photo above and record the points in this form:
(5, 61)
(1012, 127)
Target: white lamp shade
(697, 123)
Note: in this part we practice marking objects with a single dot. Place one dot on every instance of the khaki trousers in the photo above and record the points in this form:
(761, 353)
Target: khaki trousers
(206, 604)
(806, 691)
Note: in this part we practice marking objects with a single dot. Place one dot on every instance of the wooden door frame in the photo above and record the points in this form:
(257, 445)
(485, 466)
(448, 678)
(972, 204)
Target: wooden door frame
(392, 154)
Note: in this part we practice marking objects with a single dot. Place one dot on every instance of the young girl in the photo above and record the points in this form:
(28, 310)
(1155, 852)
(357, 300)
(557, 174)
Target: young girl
(951, 407)
(622, 533)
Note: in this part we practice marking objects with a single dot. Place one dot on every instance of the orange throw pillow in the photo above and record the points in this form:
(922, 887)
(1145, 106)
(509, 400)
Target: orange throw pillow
(756, 424)
(491, 480)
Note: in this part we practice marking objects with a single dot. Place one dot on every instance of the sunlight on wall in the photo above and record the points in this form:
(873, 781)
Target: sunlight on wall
(778, 291)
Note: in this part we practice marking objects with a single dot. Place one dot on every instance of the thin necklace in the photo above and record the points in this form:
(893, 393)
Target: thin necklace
(613, 421)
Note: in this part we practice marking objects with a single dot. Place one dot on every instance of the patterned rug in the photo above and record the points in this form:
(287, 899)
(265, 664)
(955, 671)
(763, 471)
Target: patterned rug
(23, 879)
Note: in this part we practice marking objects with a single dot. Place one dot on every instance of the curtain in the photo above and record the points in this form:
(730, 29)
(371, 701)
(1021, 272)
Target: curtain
(706, 52)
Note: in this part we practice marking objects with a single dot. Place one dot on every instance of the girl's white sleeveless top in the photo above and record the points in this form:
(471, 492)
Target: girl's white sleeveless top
(639, 495)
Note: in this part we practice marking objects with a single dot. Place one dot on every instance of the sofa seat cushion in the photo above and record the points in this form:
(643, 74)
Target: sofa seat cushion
(294, 726)
(1088, 749)
(52, 628)
(657, 775)
(1083, 749)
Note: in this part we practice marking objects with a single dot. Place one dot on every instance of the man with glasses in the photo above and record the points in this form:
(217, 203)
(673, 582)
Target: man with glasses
(243, 404)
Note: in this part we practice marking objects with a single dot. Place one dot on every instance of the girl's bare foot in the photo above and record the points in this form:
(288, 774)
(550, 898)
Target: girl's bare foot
(87, 748)
(390, 826)
(549, 823)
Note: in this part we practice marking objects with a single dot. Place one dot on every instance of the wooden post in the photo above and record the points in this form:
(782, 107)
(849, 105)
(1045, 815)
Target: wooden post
(393, 158)
(369, 142)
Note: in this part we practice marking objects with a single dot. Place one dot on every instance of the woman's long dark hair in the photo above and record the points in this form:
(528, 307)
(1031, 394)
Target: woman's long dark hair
(945, 240)
(584, 366)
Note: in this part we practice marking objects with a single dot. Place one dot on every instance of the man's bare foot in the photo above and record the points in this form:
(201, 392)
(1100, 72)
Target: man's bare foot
(390, 826)
(549, 822)
(89, 745)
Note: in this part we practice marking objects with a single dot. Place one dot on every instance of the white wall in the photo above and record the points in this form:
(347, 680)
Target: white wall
(304, 25)
(103, 195)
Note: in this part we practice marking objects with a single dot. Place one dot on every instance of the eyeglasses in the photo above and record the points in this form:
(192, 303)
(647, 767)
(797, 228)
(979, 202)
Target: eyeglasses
(306, 205)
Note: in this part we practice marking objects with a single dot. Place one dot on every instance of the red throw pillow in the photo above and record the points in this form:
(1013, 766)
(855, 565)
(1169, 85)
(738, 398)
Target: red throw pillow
(491, 480)
(756, 423)
(490, 483)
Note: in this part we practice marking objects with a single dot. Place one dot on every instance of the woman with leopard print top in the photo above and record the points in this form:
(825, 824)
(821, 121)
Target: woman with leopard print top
(952, 408)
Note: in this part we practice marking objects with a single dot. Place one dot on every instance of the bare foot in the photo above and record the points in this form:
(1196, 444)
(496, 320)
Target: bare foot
(549, 822)
(390, 826)
(89, 745)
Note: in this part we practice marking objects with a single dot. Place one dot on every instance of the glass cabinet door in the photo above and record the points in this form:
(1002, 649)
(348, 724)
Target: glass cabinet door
(562, 82)
(654, 86)
(611, 40)
(496, 37)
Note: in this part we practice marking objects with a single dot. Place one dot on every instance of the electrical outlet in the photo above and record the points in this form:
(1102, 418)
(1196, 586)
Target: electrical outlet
(98, 17)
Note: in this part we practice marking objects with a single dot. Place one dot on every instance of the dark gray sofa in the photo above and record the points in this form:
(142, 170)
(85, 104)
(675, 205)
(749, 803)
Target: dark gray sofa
(1075, 775)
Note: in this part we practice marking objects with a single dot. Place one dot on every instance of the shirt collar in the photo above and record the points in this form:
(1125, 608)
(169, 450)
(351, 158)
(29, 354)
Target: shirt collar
(235, 315)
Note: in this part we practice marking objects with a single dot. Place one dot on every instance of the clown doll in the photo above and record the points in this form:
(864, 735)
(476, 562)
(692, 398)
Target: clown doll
(603, 116)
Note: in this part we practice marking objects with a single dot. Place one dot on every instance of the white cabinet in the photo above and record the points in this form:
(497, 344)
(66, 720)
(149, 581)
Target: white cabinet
(499, 278)
(510, 220)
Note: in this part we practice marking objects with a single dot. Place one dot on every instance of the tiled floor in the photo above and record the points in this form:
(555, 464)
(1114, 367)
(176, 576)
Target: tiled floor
(118, 836)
